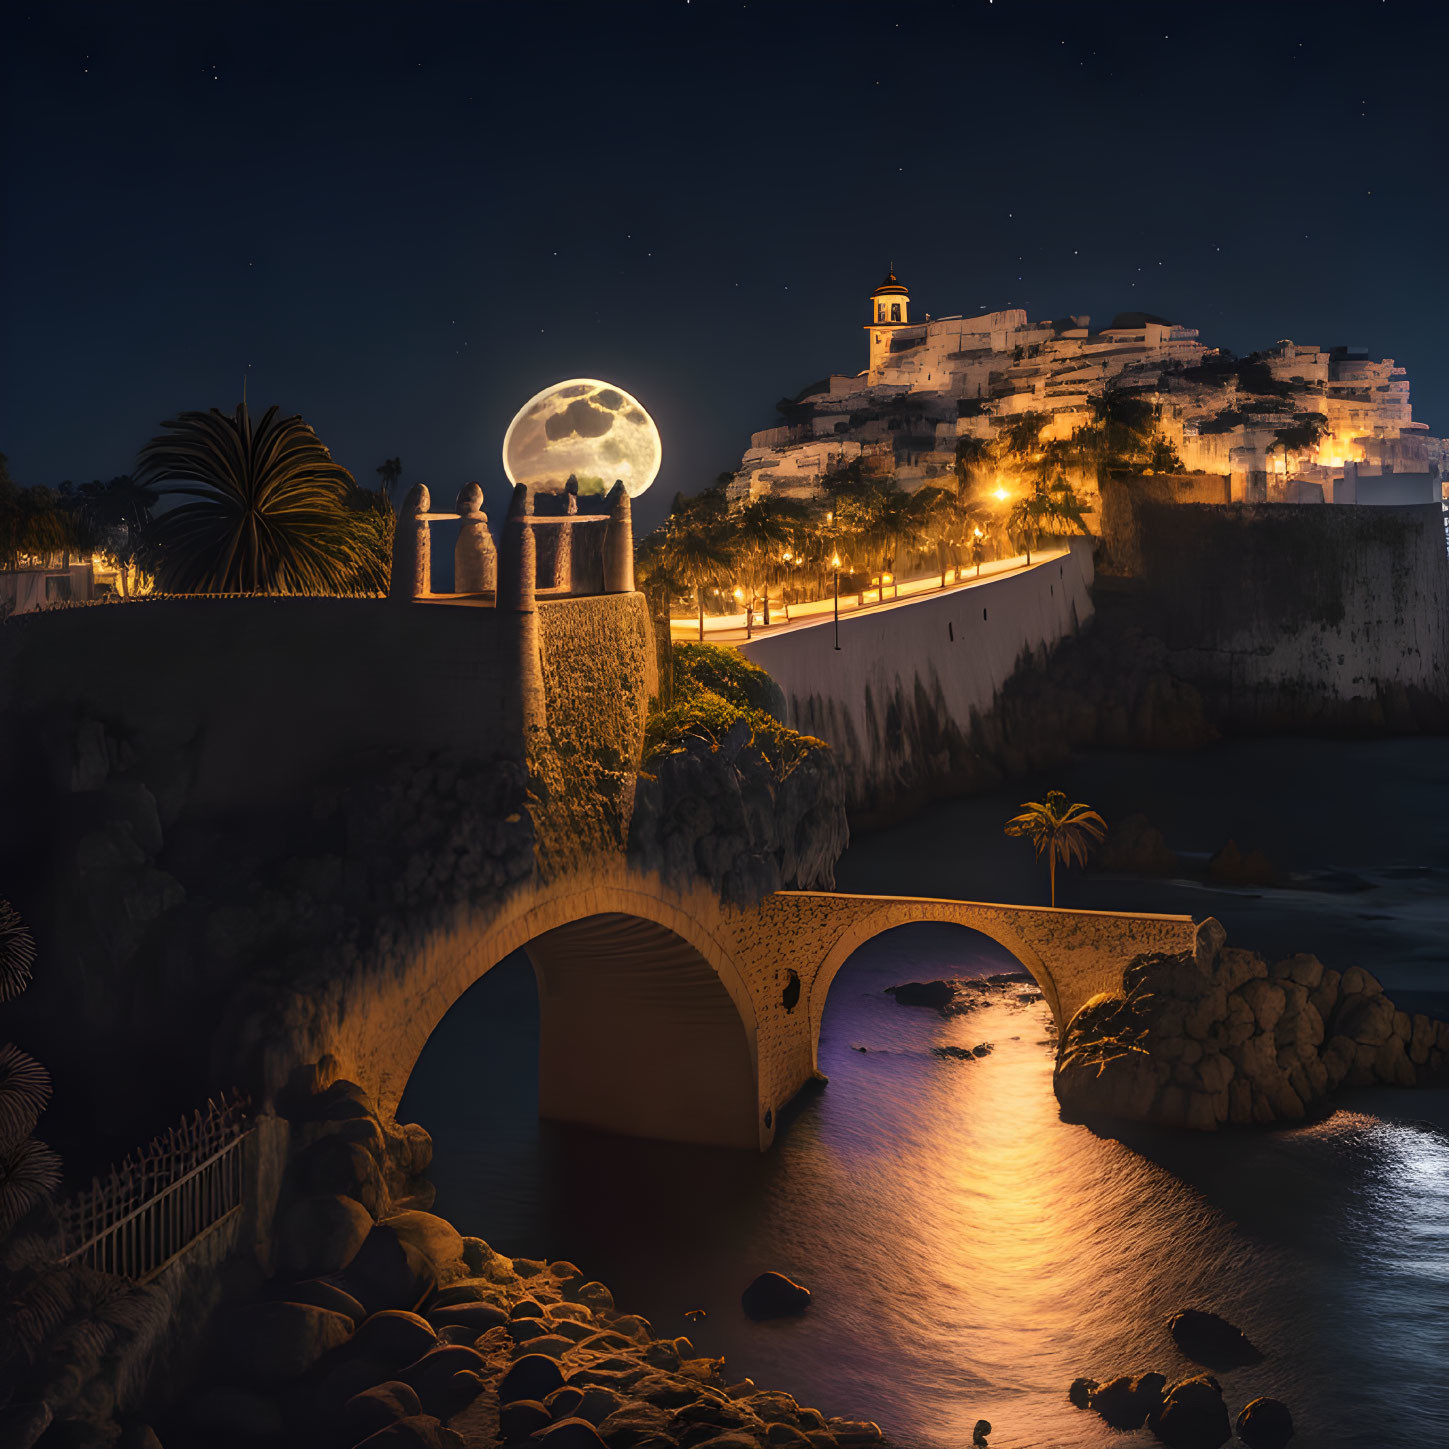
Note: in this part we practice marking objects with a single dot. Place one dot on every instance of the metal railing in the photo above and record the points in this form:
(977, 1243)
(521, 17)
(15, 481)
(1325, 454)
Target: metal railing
(154, 1206)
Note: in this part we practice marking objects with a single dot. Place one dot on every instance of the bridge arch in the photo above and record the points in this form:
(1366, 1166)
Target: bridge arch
(875, 916)
(646, 1024)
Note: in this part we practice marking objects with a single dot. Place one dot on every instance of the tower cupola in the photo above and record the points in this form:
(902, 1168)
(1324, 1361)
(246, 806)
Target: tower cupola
(889, 309)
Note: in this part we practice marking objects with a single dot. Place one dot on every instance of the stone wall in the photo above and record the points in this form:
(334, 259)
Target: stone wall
(237, 704)
(1303, 617)
(211, 801)
(600, 672)
(1123, 498)
(899, 700)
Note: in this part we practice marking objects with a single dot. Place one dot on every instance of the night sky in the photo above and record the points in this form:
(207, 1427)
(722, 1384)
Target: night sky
(401, 221)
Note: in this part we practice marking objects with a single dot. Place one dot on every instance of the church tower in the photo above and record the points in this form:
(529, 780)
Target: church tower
(889, 309)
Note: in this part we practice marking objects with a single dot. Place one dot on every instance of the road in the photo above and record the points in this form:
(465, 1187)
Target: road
(730, 628)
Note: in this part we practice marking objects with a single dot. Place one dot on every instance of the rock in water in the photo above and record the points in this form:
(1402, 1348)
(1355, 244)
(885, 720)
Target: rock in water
(1126, 1402)
(1193, 1415)
(1211, 1341)
(773, 1295)
(1265, 1424)
(979, 1433)
(1081, 1391)
(936, 994)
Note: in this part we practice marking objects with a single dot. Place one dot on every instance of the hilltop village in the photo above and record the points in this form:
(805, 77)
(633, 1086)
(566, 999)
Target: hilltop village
(1290, 424)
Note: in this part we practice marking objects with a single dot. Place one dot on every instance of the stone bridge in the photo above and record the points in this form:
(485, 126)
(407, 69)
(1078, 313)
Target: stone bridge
(249, 833)
(668, 1014)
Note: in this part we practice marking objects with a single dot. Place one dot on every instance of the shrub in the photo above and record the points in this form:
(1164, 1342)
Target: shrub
(726, 673)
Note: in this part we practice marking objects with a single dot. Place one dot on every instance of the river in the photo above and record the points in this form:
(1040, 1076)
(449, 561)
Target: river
(969, 1253)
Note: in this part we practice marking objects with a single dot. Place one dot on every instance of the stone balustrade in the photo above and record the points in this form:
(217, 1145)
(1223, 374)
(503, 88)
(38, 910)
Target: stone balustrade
(560, 555)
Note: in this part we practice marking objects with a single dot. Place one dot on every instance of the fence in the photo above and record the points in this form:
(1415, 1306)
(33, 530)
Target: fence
(154, 1206)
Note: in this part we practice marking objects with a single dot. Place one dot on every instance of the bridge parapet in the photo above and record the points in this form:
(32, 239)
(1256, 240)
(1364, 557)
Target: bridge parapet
(555, 554)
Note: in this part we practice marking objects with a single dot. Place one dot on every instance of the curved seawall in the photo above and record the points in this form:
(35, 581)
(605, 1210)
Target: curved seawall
(898, 700)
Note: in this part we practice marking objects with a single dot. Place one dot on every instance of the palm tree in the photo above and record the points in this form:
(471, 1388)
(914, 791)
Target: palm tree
(1049, 507)
(1058, 830)
(761, 534)
(1298, 437)
(700, 558)
(34, 524)
(270, 511)
(29, 1170)
(388, 475)
(115, 516)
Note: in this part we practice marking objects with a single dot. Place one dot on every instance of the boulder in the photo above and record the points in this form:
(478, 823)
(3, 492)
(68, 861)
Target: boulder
(417, 1431)
(1193, 1415)
(278, 1341)
(345, 1379)
(389, 1273)
(476, 1253)
(562, 1402)
(394, 1335)
(321, 1234)
(476, 1317)
(533, 1376)
(467, 1290)
(1232, 866)
(935, 994)
(570, 1434)
(346, 1169)
(1134, 846)
(322, 1294)
(773, 1295)
(526, 1308)
(1211, 1341)
(1265, 1424)
(1125, 1402)
(594, 1296)
(436, 1238)
(1081, 1391)
(377, 1407)
(521, 1419)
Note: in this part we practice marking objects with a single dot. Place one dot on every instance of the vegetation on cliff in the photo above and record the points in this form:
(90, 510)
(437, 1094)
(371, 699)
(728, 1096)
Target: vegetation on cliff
(727, 792)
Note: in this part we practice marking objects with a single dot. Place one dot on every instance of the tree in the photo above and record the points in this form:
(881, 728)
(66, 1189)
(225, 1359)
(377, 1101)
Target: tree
(271, 512)
(29, 1170)
(388, 475)
(114, 517)
(1049, 507)
(700, 558)
(1298, 437)
(1060, 831)
(760, 534)
(33, 524)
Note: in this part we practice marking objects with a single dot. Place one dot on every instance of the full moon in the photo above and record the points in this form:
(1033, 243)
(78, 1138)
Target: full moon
(590, 429)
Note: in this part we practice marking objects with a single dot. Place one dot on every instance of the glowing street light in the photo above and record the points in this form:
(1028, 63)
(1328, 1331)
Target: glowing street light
(835, 566)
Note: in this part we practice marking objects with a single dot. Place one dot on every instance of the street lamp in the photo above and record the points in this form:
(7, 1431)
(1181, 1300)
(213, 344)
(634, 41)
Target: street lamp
(749, 609)
(835, 564)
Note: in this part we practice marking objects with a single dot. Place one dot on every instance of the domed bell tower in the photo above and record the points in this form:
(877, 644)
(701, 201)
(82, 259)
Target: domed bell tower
(889, 309)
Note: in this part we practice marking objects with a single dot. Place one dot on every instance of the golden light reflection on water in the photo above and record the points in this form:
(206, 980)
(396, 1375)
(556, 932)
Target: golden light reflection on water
(1026, 1251)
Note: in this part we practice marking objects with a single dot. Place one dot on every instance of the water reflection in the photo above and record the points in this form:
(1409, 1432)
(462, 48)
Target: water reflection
(970, 1253)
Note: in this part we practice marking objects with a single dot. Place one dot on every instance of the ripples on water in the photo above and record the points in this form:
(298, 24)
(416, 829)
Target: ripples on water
(969, 1253)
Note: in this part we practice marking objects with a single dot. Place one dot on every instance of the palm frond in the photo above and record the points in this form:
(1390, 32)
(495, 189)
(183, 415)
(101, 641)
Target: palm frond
(29, 1173)
(24, 1091)
(267, 510)
(17, 953)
